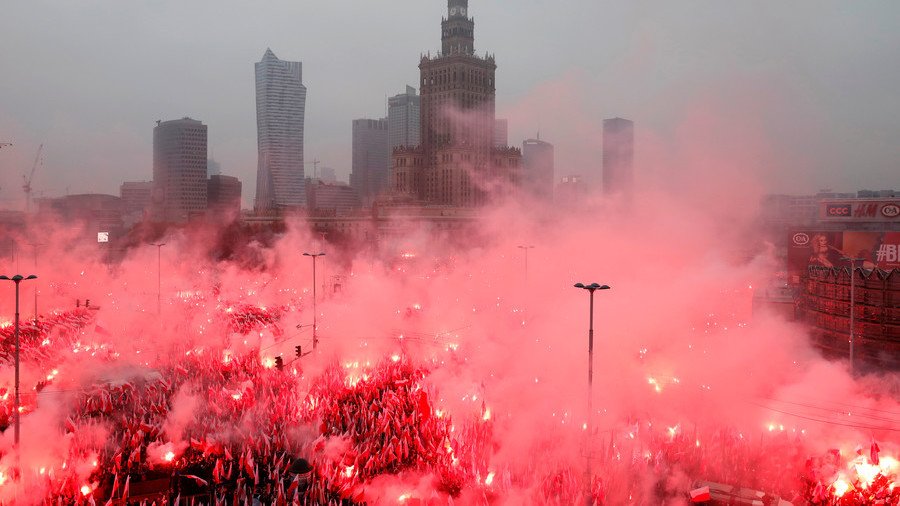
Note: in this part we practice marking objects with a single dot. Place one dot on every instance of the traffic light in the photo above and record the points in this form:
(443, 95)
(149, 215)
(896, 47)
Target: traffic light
(279, 363)
(298, 350)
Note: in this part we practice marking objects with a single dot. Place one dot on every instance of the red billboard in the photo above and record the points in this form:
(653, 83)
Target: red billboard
(832, 249)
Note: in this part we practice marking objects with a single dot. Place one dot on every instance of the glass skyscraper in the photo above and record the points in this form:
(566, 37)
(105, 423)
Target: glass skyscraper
(280, 110)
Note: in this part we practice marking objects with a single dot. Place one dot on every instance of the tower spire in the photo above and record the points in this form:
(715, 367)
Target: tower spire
(458, 30)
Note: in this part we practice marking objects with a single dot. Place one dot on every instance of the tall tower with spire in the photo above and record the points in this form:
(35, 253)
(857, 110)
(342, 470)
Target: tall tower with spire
(458, 29)
(456, 162)
(280, 111)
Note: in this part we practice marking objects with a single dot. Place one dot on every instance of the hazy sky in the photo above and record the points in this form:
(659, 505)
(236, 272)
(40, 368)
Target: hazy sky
(815, 85)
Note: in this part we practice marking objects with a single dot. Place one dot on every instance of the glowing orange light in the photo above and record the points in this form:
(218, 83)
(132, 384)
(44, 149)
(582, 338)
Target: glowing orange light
(867, 474)
(348, 471)
(840, 487)
(169, 457)
(487, 414)
(85, 490)
(268, 362)
(489, 479)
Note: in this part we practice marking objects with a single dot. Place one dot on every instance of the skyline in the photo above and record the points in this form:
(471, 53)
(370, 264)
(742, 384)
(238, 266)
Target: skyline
(811, 100)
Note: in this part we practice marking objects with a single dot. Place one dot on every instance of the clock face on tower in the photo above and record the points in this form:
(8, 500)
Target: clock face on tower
(457, 10)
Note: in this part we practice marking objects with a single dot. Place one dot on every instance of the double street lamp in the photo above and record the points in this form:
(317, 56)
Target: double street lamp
(18, 278)
(591, 288)
(314, 256)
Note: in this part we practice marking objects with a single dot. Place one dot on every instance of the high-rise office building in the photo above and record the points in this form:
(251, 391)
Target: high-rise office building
(501, 133)
(457, 163)
(371, 158)
(403, 118)
(618, 156)
(224, 195)
(280, 110)
(179, 169)
(537, 157)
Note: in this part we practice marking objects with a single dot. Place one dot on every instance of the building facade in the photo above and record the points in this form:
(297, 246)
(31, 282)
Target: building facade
(371, 158)
(403, 118)
(538, 175)
(618, 156)
(331, 199)
(179, 169)
(501, 133)
(826, 301)
(280, 111)
(457, 163)
(136, 196)
(224, 195)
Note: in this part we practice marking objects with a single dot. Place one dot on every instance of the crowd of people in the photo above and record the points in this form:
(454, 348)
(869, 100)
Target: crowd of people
(214, 425)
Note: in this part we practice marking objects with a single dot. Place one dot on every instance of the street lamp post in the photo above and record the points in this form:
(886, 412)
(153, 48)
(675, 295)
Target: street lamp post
(315, 335)
(17, 279)
(852, 305)
(158, 275)
(526, 248)
(591, 288)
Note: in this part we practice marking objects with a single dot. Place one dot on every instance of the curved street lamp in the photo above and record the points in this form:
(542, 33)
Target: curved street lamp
(590, 288)
(18, 278)
(314, 256)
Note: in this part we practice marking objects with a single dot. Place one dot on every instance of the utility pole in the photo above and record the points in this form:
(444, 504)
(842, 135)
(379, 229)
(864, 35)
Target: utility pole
(315, 313)
(525, 249)
(35, 246)
(853, 307)
(158, 276)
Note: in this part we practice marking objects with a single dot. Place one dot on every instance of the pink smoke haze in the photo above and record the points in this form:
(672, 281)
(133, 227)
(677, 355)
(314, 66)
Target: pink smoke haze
(677, 352)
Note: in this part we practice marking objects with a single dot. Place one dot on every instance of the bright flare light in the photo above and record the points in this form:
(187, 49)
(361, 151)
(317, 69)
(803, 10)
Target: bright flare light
(840, 487)
(489, 479)
(169, 456)
(867, 474)
(85, 490)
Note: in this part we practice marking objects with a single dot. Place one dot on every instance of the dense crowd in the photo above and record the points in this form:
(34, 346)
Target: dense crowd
(211, 425)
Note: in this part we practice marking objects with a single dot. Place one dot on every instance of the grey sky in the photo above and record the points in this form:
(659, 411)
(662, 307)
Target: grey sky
(819, 80)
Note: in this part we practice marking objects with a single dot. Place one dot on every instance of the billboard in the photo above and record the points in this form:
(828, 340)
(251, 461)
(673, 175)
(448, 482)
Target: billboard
(831, 249)
(858, 210)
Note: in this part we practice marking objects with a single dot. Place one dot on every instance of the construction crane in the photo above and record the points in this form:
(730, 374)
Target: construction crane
(27, 186)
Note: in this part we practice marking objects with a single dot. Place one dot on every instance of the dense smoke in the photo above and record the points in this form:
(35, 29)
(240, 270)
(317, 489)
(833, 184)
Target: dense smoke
(678, 354)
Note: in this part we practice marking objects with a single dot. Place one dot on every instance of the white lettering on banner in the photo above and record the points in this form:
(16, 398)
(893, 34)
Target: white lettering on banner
(887, 253)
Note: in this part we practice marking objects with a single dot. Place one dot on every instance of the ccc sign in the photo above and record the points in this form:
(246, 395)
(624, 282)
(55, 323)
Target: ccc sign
(838, 210)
